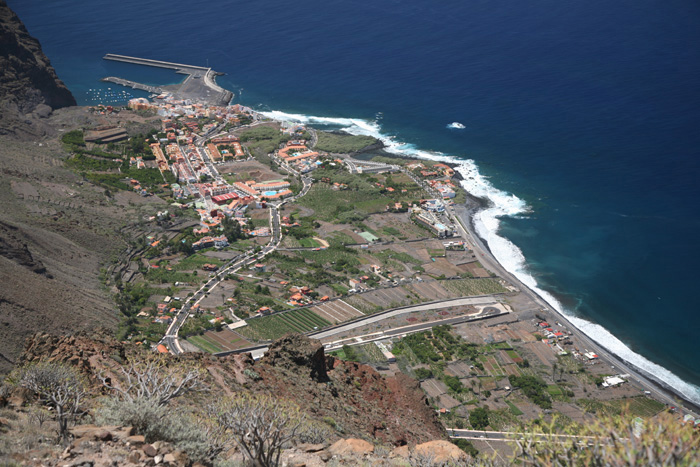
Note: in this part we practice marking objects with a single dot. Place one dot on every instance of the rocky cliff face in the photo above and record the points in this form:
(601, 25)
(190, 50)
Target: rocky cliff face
(354, 399)
(29, 86)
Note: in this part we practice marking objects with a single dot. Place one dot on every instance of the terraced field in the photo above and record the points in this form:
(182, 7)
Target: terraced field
(637, 406)
(277, 325)
(470, 287)
(221, 341)
(389, 298)
(431, 290)
(336, 311)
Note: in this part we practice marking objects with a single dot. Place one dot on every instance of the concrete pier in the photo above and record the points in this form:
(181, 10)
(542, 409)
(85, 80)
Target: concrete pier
(199, 85)
(155, 63)
(133, 84)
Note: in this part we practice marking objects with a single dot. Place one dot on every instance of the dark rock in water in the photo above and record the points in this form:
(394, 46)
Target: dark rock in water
(296, 352)
(28, 82)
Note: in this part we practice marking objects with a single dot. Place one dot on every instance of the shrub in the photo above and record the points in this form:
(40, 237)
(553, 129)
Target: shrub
(260, 426)
(160, 423)
(467, 447)
(479, 418)
(154, 380)
(315, 432)
(60, 387)
(146, 416)
(613, 441)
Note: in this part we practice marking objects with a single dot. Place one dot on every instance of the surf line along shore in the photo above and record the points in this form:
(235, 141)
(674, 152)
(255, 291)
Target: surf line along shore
(638, 377)
(660, 390)
(199, 84)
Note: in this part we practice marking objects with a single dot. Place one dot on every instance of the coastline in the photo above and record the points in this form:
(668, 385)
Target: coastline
(639, 377)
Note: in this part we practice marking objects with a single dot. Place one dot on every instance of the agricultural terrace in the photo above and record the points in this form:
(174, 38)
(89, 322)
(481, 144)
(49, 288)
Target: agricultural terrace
(469, 287)
(219, 341)
(275, 326)
(640, 406)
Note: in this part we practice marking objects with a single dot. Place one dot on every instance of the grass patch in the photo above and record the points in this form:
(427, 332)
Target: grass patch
(391, 231)
(309, 242)
(204, 344)
(345, 206)
(263, 139)
(342, 143)
(514, 409)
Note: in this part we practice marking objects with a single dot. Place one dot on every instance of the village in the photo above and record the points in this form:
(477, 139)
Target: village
(269, 228)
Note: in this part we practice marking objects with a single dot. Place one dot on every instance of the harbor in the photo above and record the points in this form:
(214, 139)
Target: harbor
(198, 86)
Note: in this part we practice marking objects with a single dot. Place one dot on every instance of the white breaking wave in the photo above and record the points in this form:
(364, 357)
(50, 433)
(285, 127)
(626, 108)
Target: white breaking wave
(456, 126)
(487, 224)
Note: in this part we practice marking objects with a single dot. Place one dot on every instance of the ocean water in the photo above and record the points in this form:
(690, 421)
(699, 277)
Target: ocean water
(580, 124)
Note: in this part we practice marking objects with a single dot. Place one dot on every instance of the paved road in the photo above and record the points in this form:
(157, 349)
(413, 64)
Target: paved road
(410, 329)
(170, 339)
(511, 436)
(259, 351)
(485, 300)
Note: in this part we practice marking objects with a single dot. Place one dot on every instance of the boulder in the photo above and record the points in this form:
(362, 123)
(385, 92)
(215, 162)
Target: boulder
(352, 446)
(150, 450)
(401, 451)
(440, 451)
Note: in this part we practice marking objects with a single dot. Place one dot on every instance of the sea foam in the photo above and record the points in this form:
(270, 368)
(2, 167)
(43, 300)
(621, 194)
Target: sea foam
(487, 224)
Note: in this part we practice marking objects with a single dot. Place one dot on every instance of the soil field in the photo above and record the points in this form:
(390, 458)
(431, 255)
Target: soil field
(441, 267)
(431, 290)
(448, 402)
(389, 298)
(395, 226)
(433, 387)
(336, 311)
(361, 304)
(248, 170)
(459, 369)
(543, 353)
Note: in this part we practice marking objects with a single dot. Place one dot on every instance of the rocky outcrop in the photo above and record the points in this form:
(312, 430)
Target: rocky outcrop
(297, 352)
(29, 86)
(355, 399)
(14, 248)
(352, 399)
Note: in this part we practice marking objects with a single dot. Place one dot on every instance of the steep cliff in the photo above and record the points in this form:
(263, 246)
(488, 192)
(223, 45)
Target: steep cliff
(29, 86)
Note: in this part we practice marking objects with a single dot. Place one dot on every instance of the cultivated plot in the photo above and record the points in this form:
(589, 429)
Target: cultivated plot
(336, 311)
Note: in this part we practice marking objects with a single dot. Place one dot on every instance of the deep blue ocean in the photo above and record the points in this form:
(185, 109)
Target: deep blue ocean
(588, 112)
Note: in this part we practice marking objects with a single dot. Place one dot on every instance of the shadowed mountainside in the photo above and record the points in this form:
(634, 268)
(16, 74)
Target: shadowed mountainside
(29, 86)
